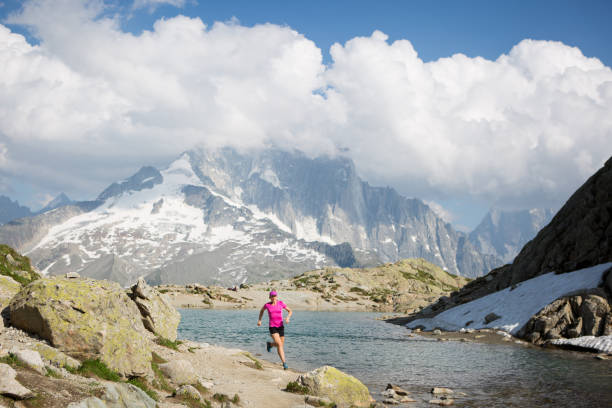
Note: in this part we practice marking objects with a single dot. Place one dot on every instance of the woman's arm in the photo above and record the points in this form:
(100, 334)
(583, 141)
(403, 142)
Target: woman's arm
(290, 313)
(261, 312)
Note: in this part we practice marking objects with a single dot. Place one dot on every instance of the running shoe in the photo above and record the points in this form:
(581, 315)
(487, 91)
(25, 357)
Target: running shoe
(268, 346)
(285, 366)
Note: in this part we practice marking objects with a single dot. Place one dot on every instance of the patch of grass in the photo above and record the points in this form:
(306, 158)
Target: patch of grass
(362, 292)
(257, 363)
(98, 369)
(224, 398)
(160, 380)
(194, 403)
(296, 388)
(168, 343)
(52, 373)
(11, 360)
(140, 383)
(20, 263)
(70, 369)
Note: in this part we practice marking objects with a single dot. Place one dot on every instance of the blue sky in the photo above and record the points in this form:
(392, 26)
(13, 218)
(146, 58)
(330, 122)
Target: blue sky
(434, 29)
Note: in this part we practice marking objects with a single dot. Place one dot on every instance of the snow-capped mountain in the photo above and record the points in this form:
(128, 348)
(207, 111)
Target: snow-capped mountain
(504, 233)
(226, 217)
(10, 210)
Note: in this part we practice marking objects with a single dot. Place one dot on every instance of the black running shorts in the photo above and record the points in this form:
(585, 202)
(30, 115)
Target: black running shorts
(279, 330)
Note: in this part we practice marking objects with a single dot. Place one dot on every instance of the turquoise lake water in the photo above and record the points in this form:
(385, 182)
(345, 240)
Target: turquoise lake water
(378, 353)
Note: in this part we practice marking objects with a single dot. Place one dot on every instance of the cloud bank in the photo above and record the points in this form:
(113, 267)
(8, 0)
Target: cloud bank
(91, 102)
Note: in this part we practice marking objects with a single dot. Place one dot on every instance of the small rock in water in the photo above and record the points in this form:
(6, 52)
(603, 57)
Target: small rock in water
(442, 402)
(479, 336)
(391, 401)
(437, 332)
(397, 389)
(441, 391)
(388, 393)
(601, 357)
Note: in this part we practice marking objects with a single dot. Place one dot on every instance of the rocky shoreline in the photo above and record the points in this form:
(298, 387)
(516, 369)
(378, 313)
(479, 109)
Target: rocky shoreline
(80, 343)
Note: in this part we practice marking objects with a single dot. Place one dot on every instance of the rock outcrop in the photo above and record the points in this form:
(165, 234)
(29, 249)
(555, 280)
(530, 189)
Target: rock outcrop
(345, 390)
(587, 314)
(158, 316)
(87, 319)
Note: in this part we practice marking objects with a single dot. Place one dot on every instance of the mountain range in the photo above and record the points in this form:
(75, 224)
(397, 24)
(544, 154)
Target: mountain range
(226, 217)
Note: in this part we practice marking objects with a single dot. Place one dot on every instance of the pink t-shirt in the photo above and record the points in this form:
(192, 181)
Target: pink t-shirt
(275, 313)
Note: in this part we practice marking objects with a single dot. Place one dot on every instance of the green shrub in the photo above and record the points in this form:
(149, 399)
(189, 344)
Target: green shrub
(168, 343)
(98, 369)
(297, 388)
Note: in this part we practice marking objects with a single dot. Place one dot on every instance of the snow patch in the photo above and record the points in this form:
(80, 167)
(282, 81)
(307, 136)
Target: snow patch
(602, 344)
(515, 306)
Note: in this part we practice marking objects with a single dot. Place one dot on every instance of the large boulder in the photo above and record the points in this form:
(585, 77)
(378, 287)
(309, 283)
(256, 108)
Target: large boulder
(87, 319)
(158, 316)
(581, 314)
(345, 390)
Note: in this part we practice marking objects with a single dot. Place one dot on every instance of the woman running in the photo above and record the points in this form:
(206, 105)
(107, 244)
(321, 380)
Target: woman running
(277, 330)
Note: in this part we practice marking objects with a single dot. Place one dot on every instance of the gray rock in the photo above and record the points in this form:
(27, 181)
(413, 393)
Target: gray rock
(179, 371)
(491, 317)
(158, 316)
(11, 260)
(31, 359)
(593, 310)
(188, 391)
(397, 389)
(118, 395)
(72, 275)
(9, 386)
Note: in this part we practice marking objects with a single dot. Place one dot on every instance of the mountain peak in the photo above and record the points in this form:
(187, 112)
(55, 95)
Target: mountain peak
(146, 177)
(61, 200)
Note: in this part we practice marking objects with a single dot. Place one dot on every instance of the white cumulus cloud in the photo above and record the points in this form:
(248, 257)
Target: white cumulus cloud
(90, 103)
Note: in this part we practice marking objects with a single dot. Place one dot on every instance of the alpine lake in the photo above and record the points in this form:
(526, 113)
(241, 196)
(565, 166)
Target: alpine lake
(378, 353)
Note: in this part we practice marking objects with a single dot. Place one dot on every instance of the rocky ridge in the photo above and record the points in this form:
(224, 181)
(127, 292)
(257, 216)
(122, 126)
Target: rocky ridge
(579, 236)
(405, 286)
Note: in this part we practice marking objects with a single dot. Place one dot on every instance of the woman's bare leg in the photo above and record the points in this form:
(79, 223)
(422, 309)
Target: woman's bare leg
(279, 342)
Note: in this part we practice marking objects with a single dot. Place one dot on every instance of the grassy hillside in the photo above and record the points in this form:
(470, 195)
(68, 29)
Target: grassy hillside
(402, 286)
(16, 266)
